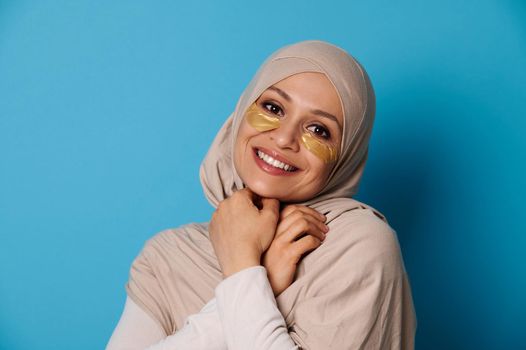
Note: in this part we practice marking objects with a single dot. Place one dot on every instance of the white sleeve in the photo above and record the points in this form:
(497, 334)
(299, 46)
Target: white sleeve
(136, 330)
(249, 314)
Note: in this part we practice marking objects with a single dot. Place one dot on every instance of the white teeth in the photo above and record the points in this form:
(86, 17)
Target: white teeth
(274, 162)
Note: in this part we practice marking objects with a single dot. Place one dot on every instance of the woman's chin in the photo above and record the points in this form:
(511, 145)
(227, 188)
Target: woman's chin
(266, 192)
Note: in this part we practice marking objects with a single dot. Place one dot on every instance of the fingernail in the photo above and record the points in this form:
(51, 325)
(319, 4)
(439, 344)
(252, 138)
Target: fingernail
(326, 228)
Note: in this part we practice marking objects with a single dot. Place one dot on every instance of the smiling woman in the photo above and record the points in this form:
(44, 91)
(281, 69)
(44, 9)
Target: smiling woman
(289, 259)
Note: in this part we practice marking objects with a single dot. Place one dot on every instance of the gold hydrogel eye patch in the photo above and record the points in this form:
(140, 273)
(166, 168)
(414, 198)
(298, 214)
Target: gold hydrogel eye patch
(262, 122)
(325, 152)
(259, 120)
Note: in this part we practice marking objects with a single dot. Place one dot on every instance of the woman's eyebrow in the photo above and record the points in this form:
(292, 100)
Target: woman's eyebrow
(326, 115)
(281, 92)
(313, 111)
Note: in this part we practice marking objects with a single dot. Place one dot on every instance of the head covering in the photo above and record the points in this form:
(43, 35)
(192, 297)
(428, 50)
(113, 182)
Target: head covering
(218, 174)
(352, 292)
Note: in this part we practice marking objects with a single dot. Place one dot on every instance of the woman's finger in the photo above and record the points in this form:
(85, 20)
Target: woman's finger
(291, 208)
(286, 223)
(302, 224)
(297, 214)
(248, 196)
(302, 246)
(270, 206)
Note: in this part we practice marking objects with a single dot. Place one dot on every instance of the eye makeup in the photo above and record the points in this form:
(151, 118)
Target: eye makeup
(262, 122)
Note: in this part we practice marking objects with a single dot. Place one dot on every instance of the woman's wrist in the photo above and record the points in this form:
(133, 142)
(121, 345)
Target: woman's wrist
(244, 258)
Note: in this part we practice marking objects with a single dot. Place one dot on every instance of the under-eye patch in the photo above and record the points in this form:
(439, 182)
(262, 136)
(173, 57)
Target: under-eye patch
(325, 152)
(259, 120)
(262, 122)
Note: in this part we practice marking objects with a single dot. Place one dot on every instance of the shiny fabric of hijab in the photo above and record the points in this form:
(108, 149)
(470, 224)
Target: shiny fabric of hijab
(352, 291)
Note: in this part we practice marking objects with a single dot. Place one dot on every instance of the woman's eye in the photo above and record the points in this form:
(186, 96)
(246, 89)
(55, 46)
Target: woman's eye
(319, 131)
(272, 108)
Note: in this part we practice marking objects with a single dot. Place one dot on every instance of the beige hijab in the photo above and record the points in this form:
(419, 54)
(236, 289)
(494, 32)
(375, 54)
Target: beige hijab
(352, 291)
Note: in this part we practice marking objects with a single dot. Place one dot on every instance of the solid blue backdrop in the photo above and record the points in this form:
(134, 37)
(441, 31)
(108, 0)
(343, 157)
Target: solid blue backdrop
(108, 107)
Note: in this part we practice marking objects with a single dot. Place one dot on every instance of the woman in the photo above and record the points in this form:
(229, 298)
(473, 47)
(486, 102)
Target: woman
(289, 260)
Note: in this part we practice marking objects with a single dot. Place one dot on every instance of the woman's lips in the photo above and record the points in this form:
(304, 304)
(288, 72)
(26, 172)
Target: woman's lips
(272, 170)
(275, 155)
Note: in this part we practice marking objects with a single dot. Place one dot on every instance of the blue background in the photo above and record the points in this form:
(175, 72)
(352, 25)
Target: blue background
(108, 107)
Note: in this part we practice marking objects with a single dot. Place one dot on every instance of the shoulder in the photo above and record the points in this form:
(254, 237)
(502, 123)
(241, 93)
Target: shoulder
(365, 240)
(166, 245)
(175, 236)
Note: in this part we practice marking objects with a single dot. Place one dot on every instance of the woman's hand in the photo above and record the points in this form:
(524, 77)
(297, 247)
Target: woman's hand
(288, 246)
(241, 229)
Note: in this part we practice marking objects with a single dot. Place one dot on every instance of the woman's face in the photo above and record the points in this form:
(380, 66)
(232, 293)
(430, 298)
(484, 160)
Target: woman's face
(289, 161)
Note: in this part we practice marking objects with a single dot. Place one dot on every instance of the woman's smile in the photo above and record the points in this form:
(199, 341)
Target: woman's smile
(273, 163)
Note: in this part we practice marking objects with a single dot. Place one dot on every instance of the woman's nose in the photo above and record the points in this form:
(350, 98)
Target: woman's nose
(286, 136)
